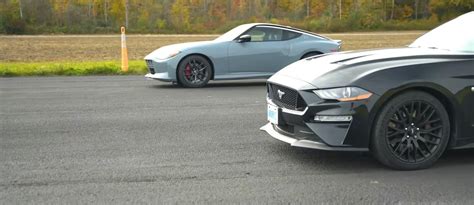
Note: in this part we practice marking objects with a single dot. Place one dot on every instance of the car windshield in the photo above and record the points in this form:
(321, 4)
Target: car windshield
(455, 35)
(234, 33)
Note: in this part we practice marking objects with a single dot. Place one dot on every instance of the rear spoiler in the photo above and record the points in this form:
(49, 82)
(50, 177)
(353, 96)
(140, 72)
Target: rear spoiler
(338, 41)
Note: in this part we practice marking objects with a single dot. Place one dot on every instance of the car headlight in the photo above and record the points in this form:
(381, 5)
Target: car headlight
(343, 94)
(167, 54)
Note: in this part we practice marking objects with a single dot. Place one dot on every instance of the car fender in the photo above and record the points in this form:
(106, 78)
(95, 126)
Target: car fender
(299, 48)
(214, 53)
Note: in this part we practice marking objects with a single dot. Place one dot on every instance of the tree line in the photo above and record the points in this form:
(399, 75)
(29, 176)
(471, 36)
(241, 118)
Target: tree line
(217, 16)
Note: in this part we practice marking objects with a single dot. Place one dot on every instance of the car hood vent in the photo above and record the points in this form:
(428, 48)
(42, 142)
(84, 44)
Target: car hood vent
(309, 70)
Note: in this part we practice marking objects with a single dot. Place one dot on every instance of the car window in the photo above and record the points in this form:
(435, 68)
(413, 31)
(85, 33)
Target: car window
(235, 32)
(288, 35)
(261, 34)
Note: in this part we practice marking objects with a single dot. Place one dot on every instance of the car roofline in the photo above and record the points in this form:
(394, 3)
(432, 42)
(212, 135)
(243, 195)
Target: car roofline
(294, 29)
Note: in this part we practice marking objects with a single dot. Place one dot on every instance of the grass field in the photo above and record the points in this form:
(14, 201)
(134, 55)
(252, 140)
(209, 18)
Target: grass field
(100, 54)
(11, 69)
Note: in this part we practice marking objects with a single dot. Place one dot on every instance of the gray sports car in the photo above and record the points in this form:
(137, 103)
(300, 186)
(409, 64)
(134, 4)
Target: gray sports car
(255, 50)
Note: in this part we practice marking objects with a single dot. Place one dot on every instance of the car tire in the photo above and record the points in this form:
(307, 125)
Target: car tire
(315, 53)
(194, 71)
(411, 131)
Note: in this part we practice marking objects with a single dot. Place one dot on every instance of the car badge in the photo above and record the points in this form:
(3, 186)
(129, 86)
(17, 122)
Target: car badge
(280, 94)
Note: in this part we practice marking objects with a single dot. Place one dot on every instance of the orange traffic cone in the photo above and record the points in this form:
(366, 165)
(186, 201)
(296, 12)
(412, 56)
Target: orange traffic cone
(124, 51)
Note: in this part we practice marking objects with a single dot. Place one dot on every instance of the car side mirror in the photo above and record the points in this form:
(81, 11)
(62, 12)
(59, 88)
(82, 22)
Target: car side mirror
(244, 38)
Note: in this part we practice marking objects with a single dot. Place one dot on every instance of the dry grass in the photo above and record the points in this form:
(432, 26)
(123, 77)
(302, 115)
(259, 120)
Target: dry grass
(107, 47)
(82, 48)
(356, 41)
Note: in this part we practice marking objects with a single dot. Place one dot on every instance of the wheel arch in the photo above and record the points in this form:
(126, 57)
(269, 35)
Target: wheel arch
(437, 91)
(196, 54)
(311, 52)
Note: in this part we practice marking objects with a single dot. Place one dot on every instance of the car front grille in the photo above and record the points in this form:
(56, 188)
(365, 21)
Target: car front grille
(149, 64)
(285, 97)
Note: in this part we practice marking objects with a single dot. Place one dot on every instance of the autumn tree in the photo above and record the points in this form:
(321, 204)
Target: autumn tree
(211, 16)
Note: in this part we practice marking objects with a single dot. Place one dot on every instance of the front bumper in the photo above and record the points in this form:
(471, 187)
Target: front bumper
(300, 129)
(160, 76)
(271, 130)
(164, 70)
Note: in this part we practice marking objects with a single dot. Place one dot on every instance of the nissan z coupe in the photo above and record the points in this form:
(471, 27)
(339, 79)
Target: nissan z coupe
(255, 50)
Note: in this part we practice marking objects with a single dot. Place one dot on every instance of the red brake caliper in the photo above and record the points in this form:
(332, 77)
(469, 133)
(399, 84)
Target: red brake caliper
(187, 71)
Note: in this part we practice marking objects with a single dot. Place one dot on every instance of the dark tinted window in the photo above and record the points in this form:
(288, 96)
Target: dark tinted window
(260, 34)
(288, 35)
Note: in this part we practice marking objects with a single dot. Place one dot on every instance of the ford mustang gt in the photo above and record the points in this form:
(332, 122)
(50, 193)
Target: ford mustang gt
(247, 51)
(405, 105)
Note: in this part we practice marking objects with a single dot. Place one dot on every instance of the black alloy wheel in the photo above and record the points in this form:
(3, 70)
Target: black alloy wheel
(411, 131)
(194, 71)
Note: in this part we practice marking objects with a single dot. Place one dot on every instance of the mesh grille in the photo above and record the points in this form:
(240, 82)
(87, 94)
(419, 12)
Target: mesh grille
(149, 64)
(285, 97)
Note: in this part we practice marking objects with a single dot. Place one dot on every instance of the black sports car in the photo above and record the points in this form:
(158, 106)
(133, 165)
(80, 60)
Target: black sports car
(405, 105)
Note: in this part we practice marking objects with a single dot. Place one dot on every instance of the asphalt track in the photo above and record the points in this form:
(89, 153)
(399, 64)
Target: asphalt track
(123, 139)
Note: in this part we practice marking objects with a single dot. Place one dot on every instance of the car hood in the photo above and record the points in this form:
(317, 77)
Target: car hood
(188, 45)
(176, 47)
(340, 69)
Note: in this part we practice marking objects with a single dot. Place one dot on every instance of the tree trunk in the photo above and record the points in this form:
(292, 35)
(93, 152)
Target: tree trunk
(331, 9)
(229, 9)
(355, 3)
(89, 9)
(393, 8)
(416, 9)
(340, 9)
(205, 4)
(21, 10)
(106, 4)
(428, 11)
(250, 9)
(126, 13)
(308, 6)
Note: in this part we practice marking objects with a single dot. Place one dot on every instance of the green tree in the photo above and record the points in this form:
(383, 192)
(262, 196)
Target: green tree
(180, 15)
